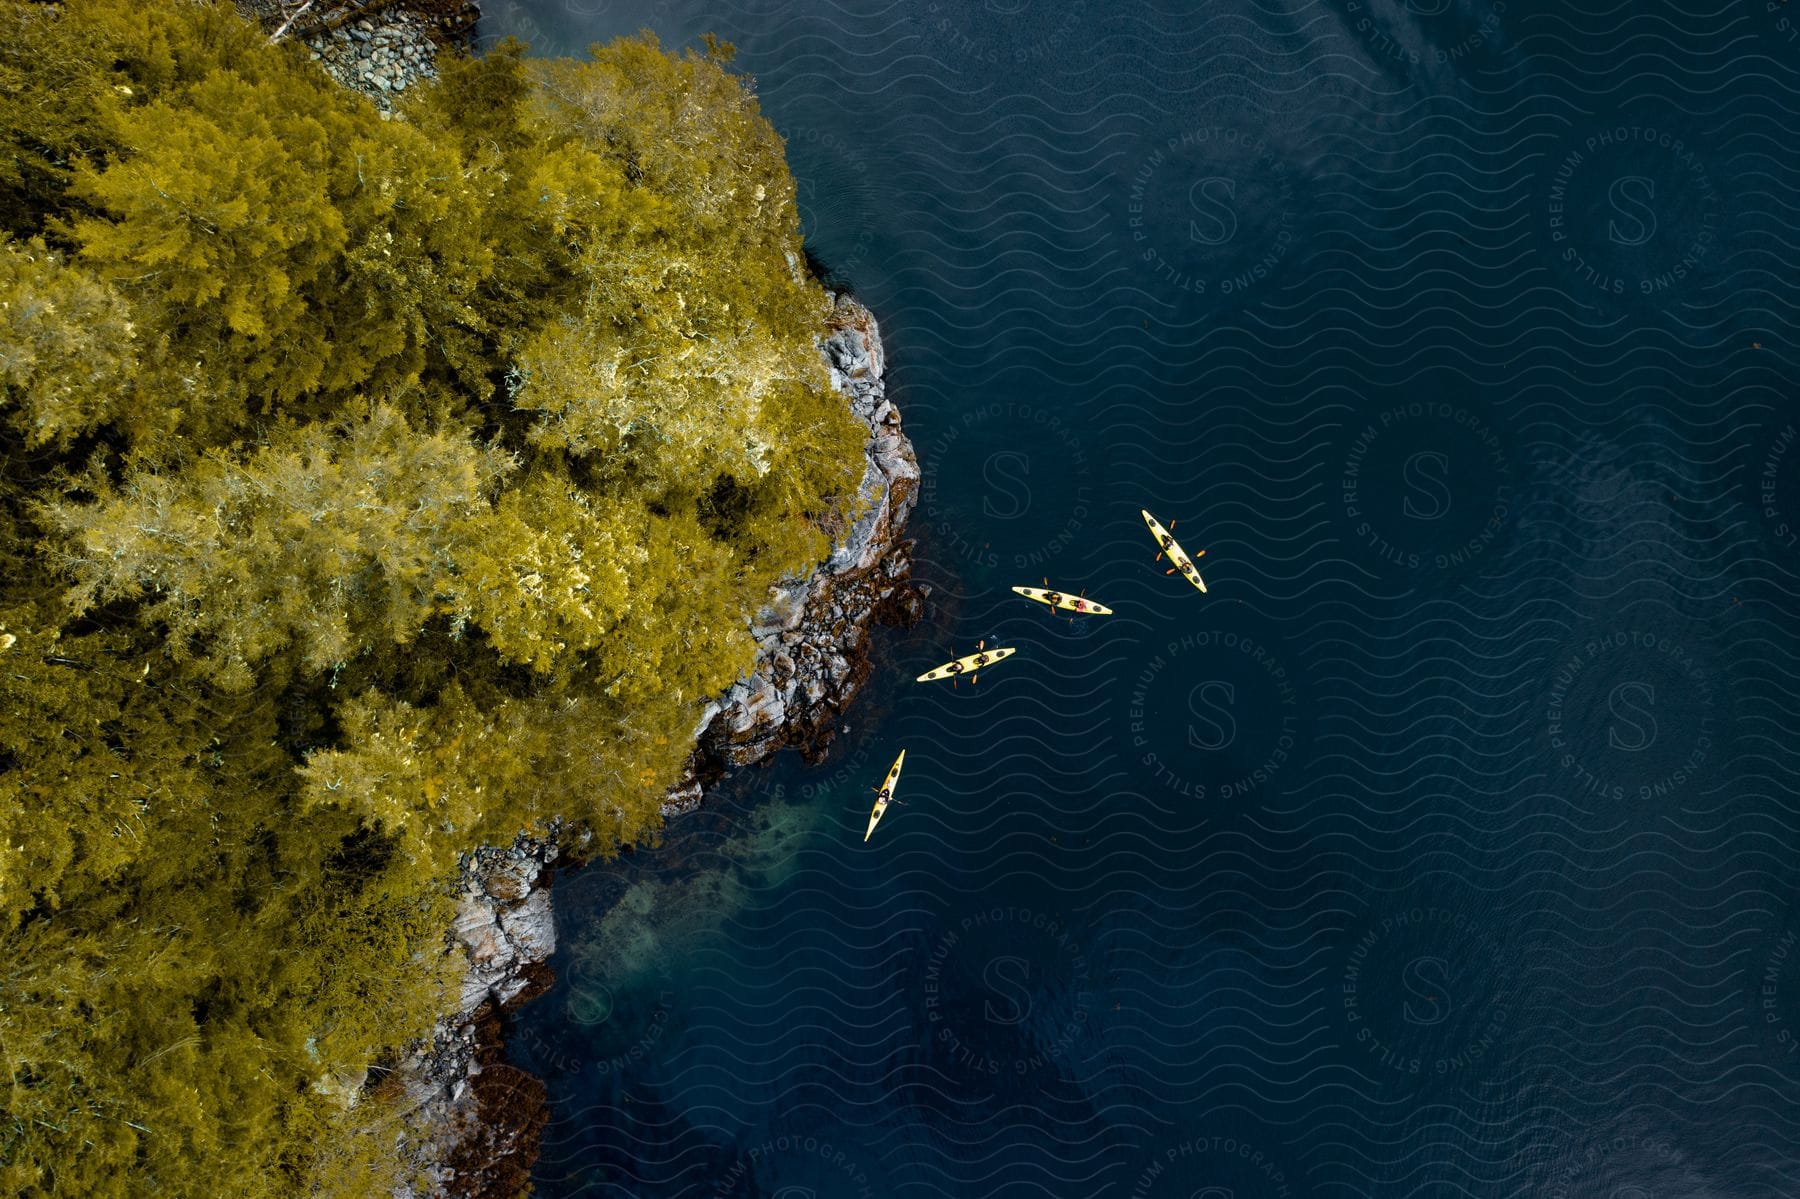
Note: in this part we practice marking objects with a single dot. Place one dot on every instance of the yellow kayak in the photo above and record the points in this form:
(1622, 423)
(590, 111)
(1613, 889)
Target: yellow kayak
(1176, 554)
(887, 795)
(1068, 603)
(968, 665)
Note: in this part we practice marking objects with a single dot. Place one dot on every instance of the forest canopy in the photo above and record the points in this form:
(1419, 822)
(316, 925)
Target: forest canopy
(373, 489)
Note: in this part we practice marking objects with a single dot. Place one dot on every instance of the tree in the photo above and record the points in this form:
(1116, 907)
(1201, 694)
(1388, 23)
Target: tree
(68, 347)
(324, 540)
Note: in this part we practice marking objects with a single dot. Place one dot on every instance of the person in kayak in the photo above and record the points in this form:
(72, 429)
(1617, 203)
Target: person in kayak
(977, 661)
(1167, 537)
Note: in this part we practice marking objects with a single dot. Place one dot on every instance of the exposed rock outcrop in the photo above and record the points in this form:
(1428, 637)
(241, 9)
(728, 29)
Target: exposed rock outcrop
(377, 47)
(480, 1117)
(812, 635)
(380, 58)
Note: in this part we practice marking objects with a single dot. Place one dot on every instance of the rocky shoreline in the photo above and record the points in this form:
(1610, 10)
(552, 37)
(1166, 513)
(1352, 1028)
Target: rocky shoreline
(812, 635)
(481, 1117)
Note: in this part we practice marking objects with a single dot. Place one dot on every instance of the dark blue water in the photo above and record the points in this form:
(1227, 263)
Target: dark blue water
(1450, 845)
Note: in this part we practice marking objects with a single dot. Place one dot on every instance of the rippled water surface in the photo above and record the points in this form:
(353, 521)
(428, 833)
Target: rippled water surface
(1450, 845)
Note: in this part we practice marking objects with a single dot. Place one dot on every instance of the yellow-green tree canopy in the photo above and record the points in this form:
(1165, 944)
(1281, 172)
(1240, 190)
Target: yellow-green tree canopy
(68, 347)
(372, 489)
